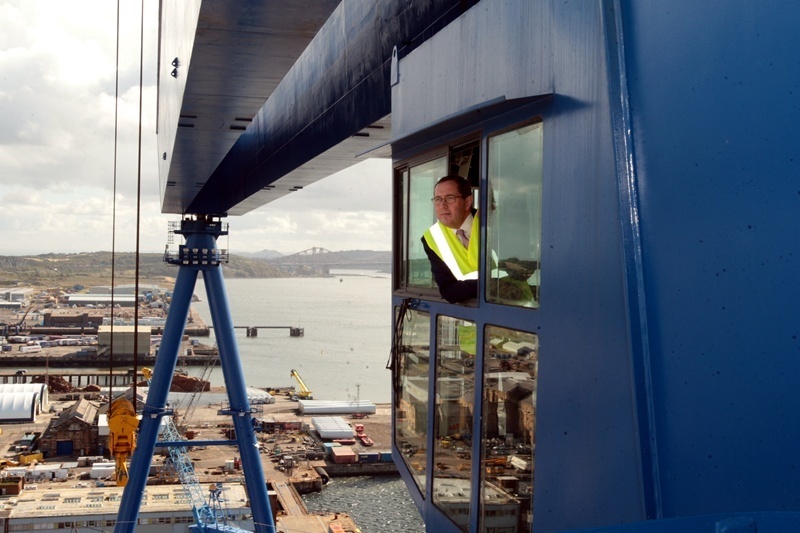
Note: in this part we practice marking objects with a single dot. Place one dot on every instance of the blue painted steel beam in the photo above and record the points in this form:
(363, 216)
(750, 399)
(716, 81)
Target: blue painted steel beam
(338, 87)
(155, 405)
(237, 397)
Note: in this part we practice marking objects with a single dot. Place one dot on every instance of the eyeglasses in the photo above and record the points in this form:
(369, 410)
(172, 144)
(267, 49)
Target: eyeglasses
(449, 199)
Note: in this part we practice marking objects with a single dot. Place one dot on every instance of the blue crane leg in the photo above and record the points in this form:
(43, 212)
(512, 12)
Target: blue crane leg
(239, 404)
(156, 398)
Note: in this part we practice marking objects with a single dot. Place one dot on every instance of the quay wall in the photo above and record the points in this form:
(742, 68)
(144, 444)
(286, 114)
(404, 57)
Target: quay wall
(195, 331)
(104, 361)
(360, 469)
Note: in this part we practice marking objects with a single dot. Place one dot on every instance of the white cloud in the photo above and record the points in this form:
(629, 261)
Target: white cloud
(57, 146)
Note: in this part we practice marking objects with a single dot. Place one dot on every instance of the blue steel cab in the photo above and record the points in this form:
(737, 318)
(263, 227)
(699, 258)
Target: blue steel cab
(635, 169)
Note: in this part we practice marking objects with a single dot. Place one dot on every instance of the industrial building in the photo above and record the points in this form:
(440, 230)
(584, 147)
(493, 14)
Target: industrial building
(74, 432)
(83, 300)
(124, 338)
(125, 289)
(22, 402)
(72, 318)
(19, 407)
(41, 390)
(15, 294)
(165, 509)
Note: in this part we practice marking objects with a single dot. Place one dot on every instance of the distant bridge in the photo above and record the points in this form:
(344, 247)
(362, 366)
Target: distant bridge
(319, 261)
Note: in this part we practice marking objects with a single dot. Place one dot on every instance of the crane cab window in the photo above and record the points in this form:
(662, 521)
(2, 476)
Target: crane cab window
(508, 424)
(416, 179)
(456, 341)
(514, 222)
(411, 413)
(417, 183)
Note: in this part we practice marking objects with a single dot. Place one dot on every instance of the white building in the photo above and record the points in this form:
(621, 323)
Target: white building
(39, 388)
(19, 407)
(15, 294)
(165, 509)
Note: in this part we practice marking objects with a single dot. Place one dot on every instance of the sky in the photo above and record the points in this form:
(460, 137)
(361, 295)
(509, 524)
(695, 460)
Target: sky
(57, 147)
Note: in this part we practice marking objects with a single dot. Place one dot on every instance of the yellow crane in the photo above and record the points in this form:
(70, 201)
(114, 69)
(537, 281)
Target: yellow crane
(122, 425)
(304, 393)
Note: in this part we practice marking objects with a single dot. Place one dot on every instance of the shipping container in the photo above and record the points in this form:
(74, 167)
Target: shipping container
(386, 457)
(343, 455)
(369, 457)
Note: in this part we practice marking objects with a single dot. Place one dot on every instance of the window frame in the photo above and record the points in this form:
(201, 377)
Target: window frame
(486, 313)
(431, 152)
(538, 118)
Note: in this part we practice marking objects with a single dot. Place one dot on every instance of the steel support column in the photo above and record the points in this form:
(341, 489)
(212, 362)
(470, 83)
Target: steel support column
(237, 397)
(200, 246)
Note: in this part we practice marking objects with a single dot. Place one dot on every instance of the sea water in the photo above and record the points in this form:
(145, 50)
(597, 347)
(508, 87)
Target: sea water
(378, 504)
(347, 322)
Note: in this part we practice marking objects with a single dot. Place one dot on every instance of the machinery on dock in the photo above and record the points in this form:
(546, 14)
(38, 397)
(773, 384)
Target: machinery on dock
(304, 393)
(363, 437)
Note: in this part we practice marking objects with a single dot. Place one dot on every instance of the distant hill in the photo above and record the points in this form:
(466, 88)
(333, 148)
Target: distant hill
(344, 257)
(94, 268)
(263, 254)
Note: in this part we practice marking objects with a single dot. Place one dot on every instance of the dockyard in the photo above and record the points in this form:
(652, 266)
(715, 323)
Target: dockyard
(296, 456)
(213, 464)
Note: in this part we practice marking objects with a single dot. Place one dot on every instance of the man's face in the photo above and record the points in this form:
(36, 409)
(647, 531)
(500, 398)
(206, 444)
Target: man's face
(451, 215)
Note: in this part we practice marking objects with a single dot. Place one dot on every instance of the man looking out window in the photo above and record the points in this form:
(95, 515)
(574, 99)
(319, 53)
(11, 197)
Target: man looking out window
(452, 243)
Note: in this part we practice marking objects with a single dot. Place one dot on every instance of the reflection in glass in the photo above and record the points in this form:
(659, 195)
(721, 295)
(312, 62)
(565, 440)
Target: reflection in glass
(455, 384)
(420, 217)
(514, 225)
(402, 268)
(508, 426)
(411, 413)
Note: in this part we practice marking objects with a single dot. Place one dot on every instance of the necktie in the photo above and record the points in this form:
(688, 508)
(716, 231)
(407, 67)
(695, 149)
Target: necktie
(462, 237)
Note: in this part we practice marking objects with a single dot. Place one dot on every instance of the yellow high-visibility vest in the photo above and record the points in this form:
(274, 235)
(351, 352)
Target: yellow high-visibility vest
(462, 262)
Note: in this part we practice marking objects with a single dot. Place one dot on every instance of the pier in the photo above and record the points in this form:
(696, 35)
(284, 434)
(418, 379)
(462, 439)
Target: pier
(252, 331)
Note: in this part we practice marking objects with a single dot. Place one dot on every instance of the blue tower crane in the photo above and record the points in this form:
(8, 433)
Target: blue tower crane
(198, 254)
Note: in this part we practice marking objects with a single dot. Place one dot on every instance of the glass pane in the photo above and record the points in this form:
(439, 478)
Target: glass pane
(508, 429)
(514, 224)
(465, 162)
(455, 385)
(402, 267)
(411, 414)
(420, 217)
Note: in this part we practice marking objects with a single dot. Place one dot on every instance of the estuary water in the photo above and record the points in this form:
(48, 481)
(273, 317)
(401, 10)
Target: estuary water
(347, 326)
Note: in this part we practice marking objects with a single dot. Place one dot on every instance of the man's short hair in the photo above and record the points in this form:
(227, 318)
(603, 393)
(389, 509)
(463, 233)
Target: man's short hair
(464, 188)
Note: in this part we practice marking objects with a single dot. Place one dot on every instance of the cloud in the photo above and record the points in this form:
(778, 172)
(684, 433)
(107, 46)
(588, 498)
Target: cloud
(348, 210)
(58, 146)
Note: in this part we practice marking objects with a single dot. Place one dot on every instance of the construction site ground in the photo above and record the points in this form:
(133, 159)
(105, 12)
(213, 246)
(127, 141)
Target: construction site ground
(210, 461)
